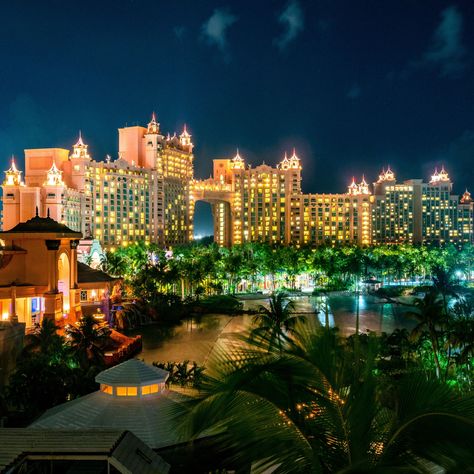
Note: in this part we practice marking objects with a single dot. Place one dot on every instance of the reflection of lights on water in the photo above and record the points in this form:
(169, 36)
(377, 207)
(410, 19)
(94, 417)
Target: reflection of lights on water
(362, 302)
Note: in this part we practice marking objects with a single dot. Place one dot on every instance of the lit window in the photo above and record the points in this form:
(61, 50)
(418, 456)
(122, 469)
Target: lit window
(149, 389)
(106, 389)
(127, 391)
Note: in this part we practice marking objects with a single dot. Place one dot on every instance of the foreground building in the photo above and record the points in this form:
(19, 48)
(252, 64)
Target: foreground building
(149, 193)
(133, 396)
(40, 275)
(92, 451)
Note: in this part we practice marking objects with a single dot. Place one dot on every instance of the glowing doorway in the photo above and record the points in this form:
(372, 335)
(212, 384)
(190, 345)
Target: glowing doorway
(64, 283)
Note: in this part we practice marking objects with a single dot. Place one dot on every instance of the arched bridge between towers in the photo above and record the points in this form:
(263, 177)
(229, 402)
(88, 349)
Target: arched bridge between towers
(220, 196)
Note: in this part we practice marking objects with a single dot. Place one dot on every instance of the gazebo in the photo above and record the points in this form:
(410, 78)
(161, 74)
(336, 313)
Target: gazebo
(133, 396)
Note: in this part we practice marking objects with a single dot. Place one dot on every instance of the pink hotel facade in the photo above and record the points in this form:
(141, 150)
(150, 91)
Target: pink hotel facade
(149, 193)
(143, 195)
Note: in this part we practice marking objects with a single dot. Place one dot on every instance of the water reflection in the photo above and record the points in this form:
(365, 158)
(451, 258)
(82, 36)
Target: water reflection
(374, 314)
(194, 339)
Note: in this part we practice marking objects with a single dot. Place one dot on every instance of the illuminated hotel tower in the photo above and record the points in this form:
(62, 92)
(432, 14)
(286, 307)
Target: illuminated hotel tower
(142, 195)
(149, 193)
(419, 212)
(266, 204)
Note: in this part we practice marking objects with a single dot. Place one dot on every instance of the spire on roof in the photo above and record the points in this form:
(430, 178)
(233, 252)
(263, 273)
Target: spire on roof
(294, 160)
(80, 149)
(466, 197)
(353, 188)
(435, 176)
(54, 176)
(238, 161)
(363, 186)
(185, 138)
(285, 163)
(443, 174)
(153, 125)
(79, 140)
(13, 175)
(389, 174)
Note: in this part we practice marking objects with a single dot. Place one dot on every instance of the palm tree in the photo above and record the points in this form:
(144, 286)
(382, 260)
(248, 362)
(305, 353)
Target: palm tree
(87, 340)
(429, 312)
(302, 409)
(443, 282)
(113, 263)
(276, 322)
(44, 339)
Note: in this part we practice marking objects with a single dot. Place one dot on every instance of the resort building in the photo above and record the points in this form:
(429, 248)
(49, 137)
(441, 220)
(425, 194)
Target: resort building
(419, 212)
(149, 193)
(266, 204)
(77, 451)
(40, 275)
(143, 195)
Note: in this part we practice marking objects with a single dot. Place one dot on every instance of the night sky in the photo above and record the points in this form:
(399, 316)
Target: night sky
(353, 85)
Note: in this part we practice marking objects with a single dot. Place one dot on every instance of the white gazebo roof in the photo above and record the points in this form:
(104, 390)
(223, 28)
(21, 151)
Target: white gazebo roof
(152, 419)
(132, 372)
(133, 397)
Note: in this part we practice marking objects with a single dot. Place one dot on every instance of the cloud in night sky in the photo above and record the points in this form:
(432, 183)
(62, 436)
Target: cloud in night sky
(214, 30)
(447, 51)
(179, 31)
(292, 19)
(354, 92)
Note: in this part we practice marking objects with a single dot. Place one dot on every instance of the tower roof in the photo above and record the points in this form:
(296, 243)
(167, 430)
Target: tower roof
(80, 142)
(80, 149)
(389, 174)
(13, 175)
(285, 163)
(443, 174)
(238, 161)
(386, 175)
(466, 198)
(13, 168)
(153, 125)
(185, 133)
(237, 156)
(54, 176)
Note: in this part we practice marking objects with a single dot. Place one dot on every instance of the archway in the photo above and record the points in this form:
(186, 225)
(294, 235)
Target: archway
(64, 283)
(203, 220)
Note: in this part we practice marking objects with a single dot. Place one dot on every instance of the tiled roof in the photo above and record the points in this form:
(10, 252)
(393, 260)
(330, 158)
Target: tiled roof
(86, 274)
(123, 447)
